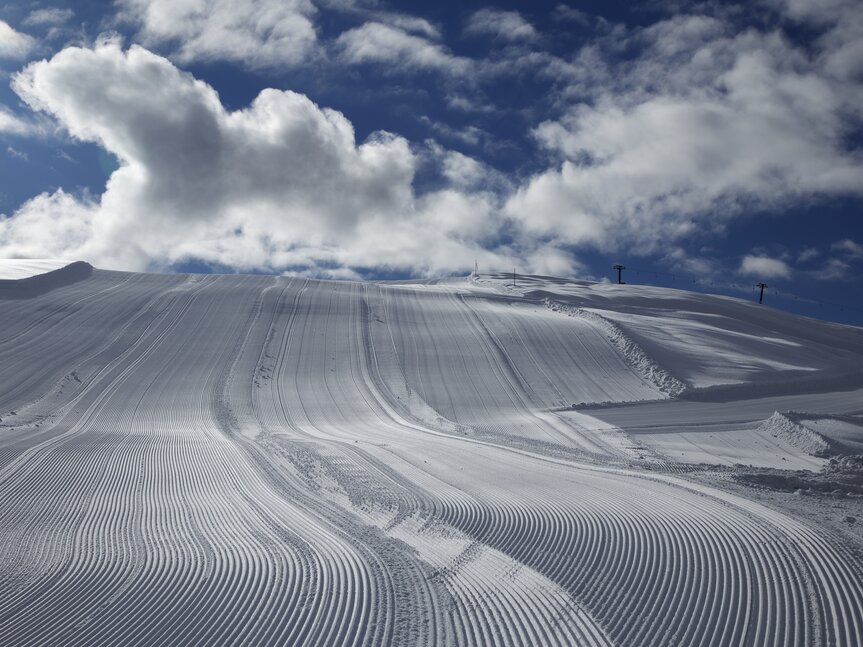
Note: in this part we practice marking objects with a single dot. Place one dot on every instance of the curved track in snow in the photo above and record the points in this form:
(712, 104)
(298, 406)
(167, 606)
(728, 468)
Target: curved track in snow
(281, 461)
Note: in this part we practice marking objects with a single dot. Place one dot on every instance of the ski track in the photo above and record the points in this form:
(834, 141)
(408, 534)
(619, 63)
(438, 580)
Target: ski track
(260, 460)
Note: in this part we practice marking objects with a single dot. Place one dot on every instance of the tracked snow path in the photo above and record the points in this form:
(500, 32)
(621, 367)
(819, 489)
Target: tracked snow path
(280, 461)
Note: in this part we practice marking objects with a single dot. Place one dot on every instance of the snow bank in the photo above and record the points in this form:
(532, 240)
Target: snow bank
(782, 427)
(646, 367)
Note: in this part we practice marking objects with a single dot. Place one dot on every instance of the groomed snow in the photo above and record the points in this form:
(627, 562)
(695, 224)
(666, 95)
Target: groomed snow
(23, 268)
(273, 460)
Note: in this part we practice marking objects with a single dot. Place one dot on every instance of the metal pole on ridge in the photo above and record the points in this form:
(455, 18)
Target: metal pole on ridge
(761, 294)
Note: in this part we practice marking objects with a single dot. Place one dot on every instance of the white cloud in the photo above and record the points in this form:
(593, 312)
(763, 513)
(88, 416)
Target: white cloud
(702, 267)
(259, 34)
(848, 247)
(280, 184)
(566, 13)
(845, 252)
(808, 254)
(48, 226)
(701, 128)
(12, 124)
(466, 173)
(500, 25)
(51, 17)
(468, 104)
(405, 22)
(834, 268)
(14, 44)
(14, 152)
(840, 44)
(764, 267)
(470, 135)
(362, 11)
(374, 42)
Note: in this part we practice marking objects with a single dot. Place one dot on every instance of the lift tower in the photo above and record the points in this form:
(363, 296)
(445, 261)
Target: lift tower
(761, 294)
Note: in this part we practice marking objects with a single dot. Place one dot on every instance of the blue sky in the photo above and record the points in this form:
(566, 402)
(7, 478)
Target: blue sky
(704, 145)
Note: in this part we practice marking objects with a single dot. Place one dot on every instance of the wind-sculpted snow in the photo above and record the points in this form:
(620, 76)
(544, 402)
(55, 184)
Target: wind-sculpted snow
(262, 460)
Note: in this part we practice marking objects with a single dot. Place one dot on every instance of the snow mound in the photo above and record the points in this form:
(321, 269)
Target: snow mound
(784, 428)
(634, 355)
(14, 269)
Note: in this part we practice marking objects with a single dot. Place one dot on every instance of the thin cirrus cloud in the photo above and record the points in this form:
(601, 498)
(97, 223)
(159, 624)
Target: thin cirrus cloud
(280, 184)
(51, 17)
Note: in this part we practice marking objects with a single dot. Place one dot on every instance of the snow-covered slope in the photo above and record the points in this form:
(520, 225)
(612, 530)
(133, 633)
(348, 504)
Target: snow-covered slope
(229, 459)
(707, 340)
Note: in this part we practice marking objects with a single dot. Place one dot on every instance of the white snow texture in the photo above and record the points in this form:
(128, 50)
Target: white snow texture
(201, 459)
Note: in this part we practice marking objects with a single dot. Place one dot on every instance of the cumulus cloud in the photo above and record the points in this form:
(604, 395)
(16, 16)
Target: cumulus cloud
(764, 267)
(705, 124)
(500, 25)
(375, 42)
(280, 184)
(49, 226)
(259, 34)
(14, 44)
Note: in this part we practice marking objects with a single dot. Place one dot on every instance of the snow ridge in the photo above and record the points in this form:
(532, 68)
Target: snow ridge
(634, 355)
(781, 426)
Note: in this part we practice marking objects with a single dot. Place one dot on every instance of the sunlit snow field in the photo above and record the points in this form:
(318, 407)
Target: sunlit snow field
(273, 460)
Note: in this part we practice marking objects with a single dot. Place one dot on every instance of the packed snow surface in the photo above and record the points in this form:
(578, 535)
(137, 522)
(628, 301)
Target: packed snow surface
(13, 269)
(272, 460)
